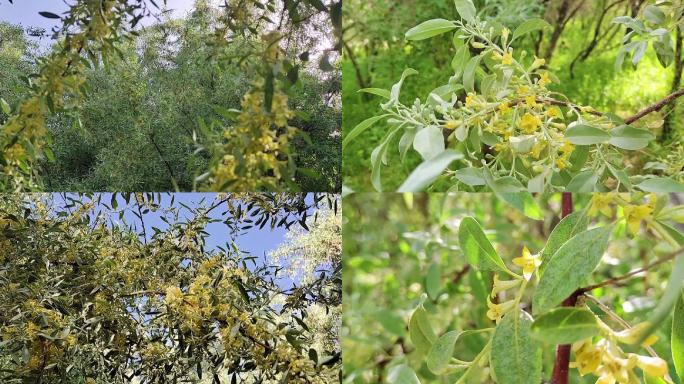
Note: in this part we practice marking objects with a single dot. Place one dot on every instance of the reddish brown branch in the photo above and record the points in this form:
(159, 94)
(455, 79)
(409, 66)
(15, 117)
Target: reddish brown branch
(562, 364)
(655, 107)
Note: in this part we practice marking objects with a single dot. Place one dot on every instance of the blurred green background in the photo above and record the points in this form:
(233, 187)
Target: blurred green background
(392, 242)
(376, 53)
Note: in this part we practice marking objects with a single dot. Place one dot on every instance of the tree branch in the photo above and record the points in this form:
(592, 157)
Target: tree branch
(655, 107)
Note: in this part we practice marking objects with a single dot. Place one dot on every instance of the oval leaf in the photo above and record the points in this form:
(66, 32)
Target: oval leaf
(466, 9)
(428, 171)
(528, 26)
(440, 354)
(402, 374)
(420, 331)
(376, 91)
(583, 182)
(678, 337)
(582, 134)
(476, 247)
(661, 185)
(627, 137)
(429, 29)
(569, 267)
(565, 326)
(429, 142)
(516, 357)
(568, 227)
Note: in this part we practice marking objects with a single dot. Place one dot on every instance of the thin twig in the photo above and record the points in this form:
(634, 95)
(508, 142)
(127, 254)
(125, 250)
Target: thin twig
(655, 107)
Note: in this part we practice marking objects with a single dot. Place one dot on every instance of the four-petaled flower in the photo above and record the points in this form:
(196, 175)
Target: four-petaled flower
(507, 58)
(502, 285)
(529, 123)
(600, 202)
(634, 214)
(528, 262)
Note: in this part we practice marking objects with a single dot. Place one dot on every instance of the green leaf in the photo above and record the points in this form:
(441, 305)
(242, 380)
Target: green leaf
(429, 142)
(429, 29)
(441, 352)
(466, 9)
(470, 176)
(378, 158)
(516, 357)
(5, 107)
(428, 171)
(469, 73)
(360, 128)
(569, 267)
(458, 63)
(627, 137)
(661, 185)
(565, 326)
(583, 182)
(667, 301)
(582, 134)
(678, 337)
(567, 228)
(420, 331)
(510, 190)
(396, 88)
(402, 374)
(476, 247)
(432, 281)
(376, 91)
(528, 26)
(654, 14)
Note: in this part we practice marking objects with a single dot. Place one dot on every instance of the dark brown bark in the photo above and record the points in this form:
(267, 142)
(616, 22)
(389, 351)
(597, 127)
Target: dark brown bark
(676, 83)
(357, 69)
(564, 14)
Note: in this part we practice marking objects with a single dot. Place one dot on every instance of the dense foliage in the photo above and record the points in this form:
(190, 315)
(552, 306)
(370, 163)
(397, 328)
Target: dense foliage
(92, 292)
(458, 288)
(244, 92)
(499, 54)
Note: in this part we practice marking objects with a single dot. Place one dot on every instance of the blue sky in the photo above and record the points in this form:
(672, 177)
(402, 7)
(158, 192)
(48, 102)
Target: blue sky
(257, 242)
(25, 13)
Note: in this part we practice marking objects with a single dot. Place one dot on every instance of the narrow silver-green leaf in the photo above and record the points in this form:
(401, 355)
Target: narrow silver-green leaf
(516, 357)
(402, 374)
(582, 134)
(432, 281)
(420, 331)
(466, 9)
(429, 29)
(661, 185)
(678, 337)
(528, 26)
(569, 267)
(583, 182)
(428, 171)
(377, 91)
(360, 128)
(565, 325)
(476, 247)
(630, 138)
(441, 352)
(429, 142)
(568, 227)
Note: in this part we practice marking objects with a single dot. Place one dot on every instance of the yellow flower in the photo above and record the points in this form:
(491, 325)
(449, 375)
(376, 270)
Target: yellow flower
(538, 62)
(470, 100)
(528, 262)
(587, 357)
(504, 107)
(531, 101)
(632, 335)
(504, 33)
(567, 147)
(529, 123)
(452, 124)
(600, 202)
(507, 58)
(634, 214)
(502, 285)
(653, 366)
(544, 79)
(553, 113)
(523, 89)
(562, 163)
(496, 311)
(174, 296)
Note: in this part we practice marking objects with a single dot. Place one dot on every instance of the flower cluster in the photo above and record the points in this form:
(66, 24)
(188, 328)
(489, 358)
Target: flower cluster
(633, 212)
(255, 153)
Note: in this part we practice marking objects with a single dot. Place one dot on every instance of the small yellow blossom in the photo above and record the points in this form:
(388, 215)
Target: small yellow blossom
(470, 100)
(507, 58)
(653, 366)
(503, 285)
(634, 214)
(538, 62)
(452, 124)
(504, 107)
(553, 113)
(531, 101)
(562, 163)
(544, 79)
(567, 147)
(496, 311)
(528, 262)
(632, 335)
(587, 357)
(601, 202)
(529, 123)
